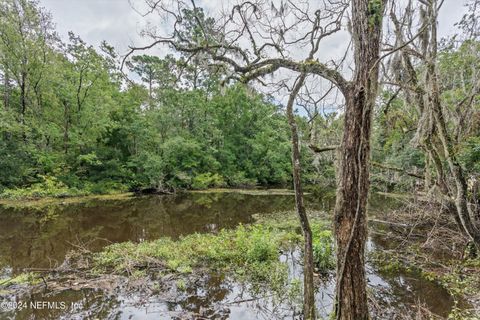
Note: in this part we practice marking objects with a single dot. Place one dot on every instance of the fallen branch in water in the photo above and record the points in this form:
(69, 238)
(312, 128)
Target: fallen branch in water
(248, 300)
(39, 270)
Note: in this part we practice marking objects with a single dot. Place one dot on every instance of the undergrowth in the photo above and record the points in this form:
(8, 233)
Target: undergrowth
(249, 253)
(432, 247)
(51, 187)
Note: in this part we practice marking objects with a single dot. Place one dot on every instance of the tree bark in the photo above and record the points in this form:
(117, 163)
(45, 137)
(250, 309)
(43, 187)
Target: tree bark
(433, 98)
(23, 96)
(353, 176)
(308, 286)
(435, 158)
(23, 103)
(461, 197)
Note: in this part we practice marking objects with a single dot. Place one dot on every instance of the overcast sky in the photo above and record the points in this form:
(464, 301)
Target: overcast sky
(116, 22)
(119, 24)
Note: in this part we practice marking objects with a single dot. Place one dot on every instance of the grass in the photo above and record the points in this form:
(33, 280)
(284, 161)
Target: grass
(323, 250)
(249, 253)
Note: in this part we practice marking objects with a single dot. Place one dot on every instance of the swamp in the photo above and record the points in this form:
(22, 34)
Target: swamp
(240, 159)
(220, 254)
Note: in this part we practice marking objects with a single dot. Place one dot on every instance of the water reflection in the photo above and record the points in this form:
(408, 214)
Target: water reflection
(32, 238)
(39, 239)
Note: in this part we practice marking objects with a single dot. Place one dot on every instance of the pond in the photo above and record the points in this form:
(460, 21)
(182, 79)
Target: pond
(41, 237)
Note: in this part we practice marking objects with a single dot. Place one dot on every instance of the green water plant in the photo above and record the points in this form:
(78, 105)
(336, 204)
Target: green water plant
(249, 253)
(323, 250)
(21, 279)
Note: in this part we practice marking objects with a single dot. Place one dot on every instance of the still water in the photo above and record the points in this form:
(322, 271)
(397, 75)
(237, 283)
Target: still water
(40, 238)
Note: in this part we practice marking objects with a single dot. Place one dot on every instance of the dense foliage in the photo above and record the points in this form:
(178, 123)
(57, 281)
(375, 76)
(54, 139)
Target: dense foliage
(71, 123)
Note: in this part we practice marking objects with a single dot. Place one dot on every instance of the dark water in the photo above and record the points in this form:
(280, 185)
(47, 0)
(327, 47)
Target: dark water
(41, 238)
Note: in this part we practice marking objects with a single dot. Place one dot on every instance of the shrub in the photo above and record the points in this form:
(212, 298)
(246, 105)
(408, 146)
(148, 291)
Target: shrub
(323, 250)
(207, 180)
(106, 186)
(240, 180)
(250, 252)
(49, 187)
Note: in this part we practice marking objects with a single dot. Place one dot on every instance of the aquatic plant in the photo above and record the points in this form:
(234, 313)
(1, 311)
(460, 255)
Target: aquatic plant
(323, 250)
(249, 253)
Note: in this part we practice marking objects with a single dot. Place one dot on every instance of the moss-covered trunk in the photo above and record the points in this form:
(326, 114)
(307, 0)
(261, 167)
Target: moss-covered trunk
(353, 175)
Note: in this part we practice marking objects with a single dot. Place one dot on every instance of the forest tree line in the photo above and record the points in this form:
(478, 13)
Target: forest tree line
(73, 124)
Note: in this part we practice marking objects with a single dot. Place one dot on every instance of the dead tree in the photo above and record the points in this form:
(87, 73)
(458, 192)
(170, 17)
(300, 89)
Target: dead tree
(422, 87)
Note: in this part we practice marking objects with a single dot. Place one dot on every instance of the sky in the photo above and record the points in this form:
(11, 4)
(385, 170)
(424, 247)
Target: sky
(120, 25)
(116, 22)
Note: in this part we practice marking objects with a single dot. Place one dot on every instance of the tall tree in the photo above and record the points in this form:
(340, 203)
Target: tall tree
(26, 35)
(353, 175)
(155, 72)
(255, 41)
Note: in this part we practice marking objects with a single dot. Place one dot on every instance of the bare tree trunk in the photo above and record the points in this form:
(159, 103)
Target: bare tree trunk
(6, 98)
(428, 174)
(23, 103)
(308, 287)
(23, 96)
(461, 197)
(353, 176)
